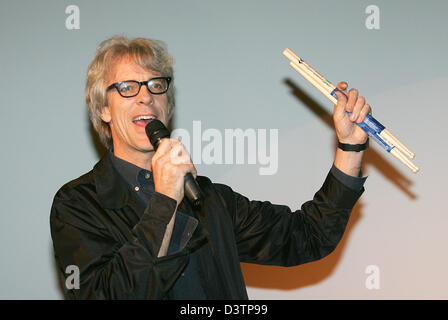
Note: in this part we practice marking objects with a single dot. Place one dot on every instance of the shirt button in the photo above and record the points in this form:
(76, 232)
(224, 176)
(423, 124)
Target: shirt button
(147, 175)
(136, 188)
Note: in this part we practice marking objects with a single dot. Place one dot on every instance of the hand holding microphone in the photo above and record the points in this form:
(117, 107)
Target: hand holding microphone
(172, 167)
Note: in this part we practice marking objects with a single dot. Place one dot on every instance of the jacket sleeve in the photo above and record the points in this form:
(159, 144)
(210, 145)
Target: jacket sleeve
(274, 235)
(108, 268)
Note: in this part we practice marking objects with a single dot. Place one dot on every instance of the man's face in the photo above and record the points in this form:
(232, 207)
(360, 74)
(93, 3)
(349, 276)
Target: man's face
(128, 134)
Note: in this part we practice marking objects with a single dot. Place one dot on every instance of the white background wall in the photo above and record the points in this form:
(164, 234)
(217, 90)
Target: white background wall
(230, 73)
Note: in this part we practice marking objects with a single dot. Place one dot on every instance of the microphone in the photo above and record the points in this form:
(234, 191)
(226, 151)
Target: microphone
(156, 131)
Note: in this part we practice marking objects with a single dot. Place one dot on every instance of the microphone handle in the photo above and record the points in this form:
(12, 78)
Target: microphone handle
(192, 190)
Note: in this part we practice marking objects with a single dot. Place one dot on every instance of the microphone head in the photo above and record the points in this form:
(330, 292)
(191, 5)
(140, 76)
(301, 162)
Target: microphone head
(156, 131)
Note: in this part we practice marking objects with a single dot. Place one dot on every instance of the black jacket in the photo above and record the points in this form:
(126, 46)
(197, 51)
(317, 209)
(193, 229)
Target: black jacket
(99, 225)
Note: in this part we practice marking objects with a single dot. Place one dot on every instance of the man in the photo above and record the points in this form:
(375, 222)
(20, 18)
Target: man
(126, 225)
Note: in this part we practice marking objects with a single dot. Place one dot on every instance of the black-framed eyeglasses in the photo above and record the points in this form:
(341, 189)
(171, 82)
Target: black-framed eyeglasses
(131, 88)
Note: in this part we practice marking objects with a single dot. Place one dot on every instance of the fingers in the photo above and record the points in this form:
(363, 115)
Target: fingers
(166, 145)
(342, 85)
(364, 112)
(339, 108)
(179, 155)
(172, 155)
(353, 103)
(170, 163)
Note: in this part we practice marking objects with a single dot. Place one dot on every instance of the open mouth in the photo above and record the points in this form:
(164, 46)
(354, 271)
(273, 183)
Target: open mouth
(143, 120)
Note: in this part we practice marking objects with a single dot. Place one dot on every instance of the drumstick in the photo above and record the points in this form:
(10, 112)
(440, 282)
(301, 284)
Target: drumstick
(396, 153)
(328, 87)
(372, 127)
(388, 136)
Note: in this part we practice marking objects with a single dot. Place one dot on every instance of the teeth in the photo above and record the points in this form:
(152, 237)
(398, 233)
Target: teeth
(144, 118)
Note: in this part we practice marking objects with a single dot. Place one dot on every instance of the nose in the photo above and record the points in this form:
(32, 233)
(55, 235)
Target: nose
(144, 96)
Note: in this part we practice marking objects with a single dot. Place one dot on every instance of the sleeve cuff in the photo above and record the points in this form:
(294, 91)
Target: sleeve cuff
(152, 225)
(161, 207)
(354, 183)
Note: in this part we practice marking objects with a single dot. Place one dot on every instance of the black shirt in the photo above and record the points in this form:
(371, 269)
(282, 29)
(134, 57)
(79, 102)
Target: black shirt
(188, 285)
(141, 182)
(99, 225)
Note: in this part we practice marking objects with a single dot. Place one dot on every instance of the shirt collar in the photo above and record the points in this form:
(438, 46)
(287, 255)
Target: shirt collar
(111, 187)
(127, 170)
(139, 179)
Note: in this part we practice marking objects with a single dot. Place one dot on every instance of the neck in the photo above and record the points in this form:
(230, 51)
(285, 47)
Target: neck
(138, 158)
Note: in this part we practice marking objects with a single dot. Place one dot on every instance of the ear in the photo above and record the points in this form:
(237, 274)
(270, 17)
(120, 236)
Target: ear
(105, 114)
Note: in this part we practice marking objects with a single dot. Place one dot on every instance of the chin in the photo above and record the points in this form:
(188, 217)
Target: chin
(145, 147)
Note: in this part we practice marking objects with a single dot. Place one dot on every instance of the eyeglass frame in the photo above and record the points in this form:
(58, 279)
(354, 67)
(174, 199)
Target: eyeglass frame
(116, 85)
